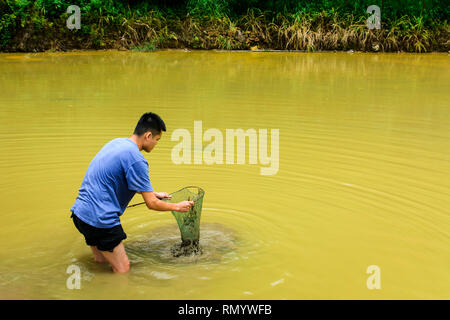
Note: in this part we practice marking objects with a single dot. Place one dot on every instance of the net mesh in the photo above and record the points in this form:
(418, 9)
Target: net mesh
(188, 222)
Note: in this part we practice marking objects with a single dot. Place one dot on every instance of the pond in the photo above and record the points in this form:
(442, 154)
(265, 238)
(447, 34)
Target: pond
(357, 174)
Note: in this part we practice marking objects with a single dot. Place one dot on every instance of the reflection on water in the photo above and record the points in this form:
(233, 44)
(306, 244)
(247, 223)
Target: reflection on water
(363, 179)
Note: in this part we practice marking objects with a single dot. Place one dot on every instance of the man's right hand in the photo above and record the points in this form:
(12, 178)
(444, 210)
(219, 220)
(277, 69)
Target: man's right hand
(154, 203)
(184, 206)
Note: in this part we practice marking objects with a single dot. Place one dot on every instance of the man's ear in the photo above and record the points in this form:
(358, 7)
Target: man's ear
(148, 135)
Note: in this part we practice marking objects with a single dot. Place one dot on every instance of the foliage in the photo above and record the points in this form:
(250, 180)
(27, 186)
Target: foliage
(409, 25)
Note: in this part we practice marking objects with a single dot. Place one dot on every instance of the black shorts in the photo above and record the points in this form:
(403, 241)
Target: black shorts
(105, 239)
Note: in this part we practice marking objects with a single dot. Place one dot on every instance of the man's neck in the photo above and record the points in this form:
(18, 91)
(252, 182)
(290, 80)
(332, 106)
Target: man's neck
(136, 140)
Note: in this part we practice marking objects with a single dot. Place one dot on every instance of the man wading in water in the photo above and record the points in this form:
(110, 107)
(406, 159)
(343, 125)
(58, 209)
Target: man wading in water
(115, 174)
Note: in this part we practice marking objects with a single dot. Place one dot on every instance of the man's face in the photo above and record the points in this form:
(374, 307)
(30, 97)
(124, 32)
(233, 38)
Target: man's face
(150, 141)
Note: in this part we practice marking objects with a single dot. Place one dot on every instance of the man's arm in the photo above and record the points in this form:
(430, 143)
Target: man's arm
(153, 203)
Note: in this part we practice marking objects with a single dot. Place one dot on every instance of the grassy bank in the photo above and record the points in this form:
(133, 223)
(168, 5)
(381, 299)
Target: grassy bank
(406, 25)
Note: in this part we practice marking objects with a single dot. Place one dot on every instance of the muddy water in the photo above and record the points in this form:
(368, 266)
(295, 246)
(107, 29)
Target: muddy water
(363, 177)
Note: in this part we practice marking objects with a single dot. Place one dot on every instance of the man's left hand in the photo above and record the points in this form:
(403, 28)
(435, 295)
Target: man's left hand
(162, 195)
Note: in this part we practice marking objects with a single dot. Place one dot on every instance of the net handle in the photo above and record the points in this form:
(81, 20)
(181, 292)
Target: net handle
(138, 204)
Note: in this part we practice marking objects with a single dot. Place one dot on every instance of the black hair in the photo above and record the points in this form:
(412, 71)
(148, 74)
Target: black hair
(150, 122)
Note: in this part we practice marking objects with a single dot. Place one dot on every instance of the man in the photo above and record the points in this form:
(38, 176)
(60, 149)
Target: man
(113, 177)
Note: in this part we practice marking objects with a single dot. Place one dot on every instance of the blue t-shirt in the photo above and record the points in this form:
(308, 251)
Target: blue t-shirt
(111, 180)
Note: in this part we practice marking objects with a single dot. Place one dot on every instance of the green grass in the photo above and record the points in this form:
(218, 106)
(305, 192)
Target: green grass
(146, 46)
(407, 25)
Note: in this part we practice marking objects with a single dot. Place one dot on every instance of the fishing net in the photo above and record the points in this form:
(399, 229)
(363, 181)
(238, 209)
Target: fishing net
(188, 222)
